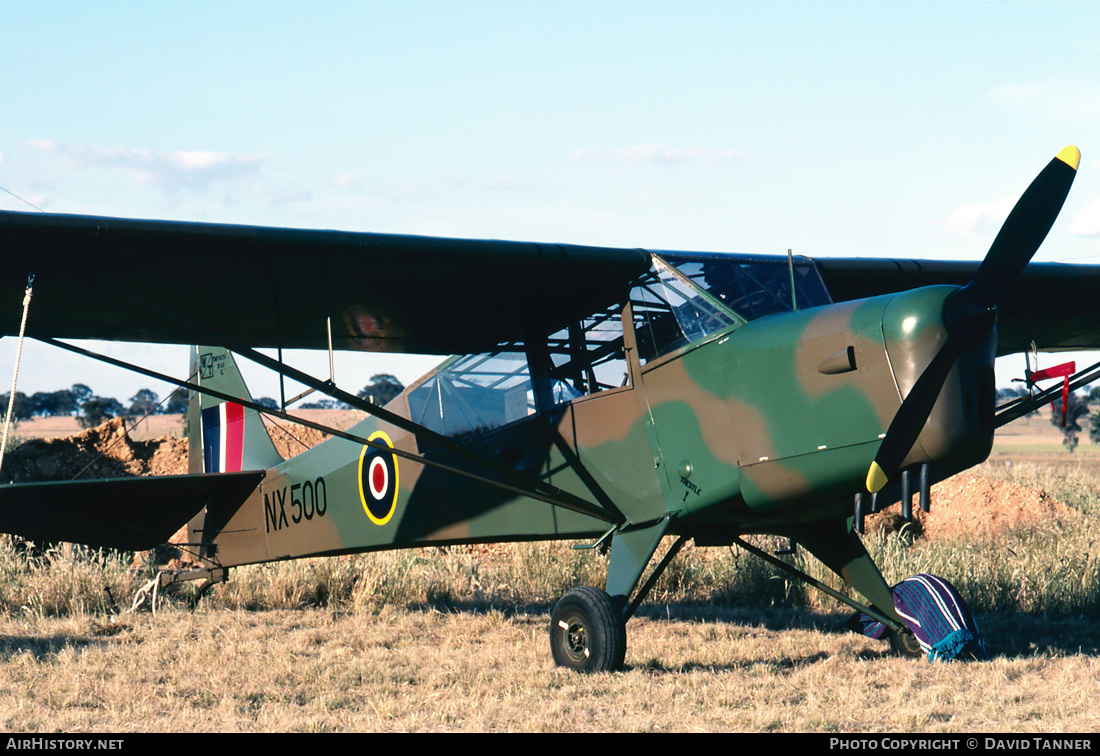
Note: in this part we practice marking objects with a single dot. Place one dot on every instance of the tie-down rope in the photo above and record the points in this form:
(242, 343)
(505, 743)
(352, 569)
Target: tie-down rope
(15, 372)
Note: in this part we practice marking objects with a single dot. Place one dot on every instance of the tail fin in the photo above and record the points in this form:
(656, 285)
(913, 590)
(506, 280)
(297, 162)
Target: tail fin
(225, 436)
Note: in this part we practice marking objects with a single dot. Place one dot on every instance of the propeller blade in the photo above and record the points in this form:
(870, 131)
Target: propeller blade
(970, 312)
(1024, 230)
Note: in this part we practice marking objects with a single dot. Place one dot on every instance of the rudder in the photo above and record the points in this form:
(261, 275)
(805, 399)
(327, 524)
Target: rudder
(231, 437)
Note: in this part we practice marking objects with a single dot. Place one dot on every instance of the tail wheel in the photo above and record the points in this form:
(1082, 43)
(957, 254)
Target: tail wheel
(587, 632)
(905, 645)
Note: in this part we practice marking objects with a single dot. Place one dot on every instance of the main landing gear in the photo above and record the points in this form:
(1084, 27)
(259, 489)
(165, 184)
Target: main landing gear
(587, 632)
(588, 625)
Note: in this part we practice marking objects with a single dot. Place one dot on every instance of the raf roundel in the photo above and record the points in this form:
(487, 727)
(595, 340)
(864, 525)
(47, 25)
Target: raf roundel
(378, 484)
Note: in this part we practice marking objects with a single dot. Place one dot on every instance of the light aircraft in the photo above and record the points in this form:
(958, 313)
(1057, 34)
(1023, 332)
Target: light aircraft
(610, 396)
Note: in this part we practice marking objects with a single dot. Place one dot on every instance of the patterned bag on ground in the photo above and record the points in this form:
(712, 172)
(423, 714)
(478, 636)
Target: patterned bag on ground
(936, 614)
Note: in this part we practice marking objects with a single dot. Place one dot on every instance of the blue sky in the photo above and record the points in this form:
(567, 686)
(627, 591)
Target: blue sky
(832, 128)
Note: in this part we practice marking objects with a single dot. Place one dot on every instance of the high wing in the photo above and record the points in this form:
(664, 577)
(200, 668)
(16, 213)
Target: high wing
(131, 280)
(1052, 304)
(174, 282)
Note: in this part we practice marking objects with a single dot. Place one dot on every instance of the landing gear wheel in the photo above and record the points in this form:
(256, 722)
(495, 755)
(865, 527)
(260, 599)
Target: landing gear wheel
(905, 645)
(587, 632)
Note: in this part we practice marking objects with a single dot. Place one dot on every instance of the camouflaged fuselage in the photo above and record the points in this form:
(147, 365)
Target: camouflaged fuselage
(754, 429)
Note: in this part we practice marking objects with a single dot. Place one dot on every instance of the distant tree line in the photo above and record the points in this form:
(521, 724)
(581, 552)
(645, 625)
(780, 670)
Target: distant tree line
(91, 410)
(382, 388)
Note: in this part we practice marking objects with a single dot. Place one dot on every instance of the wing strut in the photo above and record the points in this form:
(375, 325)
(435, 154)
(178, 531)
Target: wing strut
(518, 485)
(1017, 408)
(329, 388)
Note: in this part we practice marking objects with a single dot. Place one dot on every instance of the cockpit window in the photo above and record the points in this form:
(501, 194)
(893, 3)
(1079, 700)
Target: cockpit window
(588, 356)
(754, 287)
(670, 312)
(474, 393)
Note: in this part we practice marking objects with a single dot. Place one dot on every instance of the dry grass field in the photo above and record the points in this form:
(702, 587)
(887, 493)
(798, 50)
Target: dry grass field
(1036, 434)
(457, 640)
(402, 669)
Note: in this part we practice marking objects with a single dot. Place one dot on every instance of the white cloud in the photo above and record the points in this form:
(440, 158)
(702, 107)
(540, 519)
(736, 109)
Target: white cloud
(43, 145)
(170, 172)
(981, 219)
(1087, 221)
(346, 182)
(656, 154)
(290, 196)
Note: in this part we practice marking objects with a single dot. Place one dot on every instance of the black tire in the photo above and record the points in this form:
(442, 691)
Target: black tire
(905, 645)
(587, 632)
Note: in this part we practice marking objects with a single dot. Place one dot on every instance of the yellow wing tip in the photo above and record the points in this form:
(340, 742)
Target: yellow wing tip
(876, 478)
(1071, 156)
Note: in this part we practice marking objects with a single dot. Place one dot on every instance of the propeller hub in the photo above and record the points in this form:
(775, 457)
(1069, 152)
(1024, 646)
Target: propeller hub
(971, 319)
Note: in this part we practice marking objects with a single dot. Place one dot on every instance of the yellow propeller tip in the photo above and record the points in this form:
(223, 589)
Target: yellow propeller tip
(1071, 156)
(876, 478)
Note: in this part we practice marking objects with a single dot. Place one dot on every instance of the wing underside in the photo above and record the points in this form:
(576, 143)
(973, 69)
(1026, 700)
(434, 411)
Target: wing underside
(170, 282)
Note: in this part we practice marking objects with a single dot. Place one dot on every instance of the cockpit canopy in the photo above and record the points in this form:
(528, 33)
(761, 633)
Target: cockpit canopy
(754, 286)
(472, 393)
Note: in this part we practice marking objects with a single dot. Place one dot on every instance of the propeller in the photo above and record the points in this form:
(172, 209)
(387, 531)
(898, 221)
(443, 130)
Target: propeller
(970, 313)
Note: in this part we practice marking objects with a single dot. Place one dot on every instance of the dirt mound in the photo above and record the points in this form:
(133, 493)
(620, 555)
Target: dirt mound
(103, 452)
(109, 451)
(969, 506)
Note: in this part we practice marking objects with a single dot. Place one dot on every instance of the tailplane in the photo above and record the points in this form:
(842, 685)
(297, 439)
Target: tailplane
(231, 437)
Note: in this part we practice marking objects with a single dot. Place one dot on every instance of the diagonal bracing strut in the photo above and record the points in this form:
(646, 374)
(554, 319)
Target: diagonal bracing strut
(518, 484)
